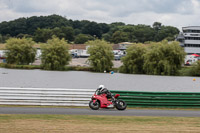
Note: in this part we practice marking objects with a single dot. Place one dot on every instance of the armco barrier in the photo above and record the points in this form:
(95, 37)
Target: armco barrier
(160, 99)
(45, 96)
(81, 97)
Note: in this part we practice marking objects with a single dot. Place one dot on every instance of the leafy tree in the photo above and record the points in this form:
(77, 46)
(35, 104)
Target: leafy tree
(55, 54)
(143, 33)
(45, 22)
(20, 51)
(166, 32)
(157, 26)
(58, 32)
(30, 25)
(13, 27)
(42, 35)
(82, 38)
(5, 38)
(23, 36)
(101, 55)
(1, 38)
(129, 30)
(196, 69)
(107, 37)
(119, 36)
(164, 59)
(92, 29)
(4, 28)
(193, 70)
(104, 27)
(134, 60)
(68, 33)
(56, 21)
(77, 24)
(77, 32)
(68, 29)
(117, 24)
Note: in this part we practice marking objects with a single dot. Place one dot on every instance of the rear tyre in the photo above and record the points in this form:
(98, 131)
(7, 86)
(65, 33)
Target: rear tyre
(121, 105)
(94, 106)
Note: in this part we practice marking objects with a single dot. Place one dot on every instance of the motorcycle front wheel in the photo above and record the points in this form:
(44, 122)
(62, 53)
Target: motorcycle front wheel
(94, 106)
(121, 105)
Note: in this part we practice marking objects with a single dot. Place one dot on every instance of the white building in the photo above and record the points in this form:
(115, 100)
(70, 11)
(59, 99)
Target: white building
(190, 39)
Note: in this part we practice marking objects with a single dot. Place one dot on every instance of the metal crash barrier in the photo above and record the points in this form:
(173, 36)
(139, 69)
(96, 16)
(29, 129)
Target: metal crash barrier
(45, 96)
(81, 97)
(160, 99)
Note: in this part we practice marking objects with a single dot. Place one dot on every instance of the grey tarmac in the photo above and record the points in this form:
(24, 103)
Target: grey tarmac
(88, 111)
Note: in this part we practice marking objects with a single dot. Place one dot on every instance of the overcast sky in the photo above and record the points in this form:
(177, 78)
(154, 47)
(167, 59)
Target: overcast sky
(176, 13)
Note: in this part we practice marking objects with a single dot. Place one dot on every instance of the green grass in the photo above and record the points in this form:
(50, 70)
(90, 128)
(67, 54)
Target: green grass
(89, 124)
(25, 117)
(67, 68)
(92, 118)
(13, 66)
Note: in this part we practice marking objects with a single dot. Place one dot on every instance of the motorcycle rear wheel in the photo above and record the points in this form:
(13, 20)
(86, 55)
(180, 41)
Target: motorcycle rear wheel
(94, 106)
(121, 105)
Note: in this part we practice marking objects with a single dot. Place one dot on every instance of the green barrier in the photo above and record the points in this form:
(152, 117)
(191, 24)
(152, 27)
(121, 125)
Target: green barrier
(160, 99)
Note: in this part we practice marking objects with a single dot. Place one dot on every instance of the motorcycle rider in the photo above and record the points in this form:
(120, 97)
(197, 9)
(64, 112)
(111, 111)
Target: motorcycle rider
(103, 90)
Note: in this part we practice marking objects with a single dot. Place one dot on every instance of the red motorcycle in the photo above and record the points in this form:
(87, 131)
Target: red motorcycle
(102, 101)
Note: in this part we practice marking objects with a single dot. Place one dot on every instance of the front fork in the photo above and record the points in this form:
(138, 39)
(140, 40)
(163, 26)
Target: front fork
(94, 101)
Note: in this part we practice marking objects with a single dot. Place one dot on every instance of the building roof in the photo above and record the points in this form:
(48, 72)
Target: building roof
(191, 28)
(77, 46)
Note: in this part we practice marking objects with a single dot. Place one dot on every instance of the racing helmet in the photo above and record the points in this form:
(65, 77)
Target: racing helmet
(101, 86)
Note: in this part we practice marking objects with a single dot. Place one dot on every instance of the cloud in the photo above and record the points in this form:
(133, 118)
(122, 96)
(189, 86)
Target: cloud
(30, 6)
(118, 6)
(169, 12)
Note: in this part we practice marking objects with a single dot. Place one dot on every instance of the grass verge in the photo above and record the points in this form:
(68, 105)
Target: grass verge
(67, 68)
(13, 66)
(89, 124)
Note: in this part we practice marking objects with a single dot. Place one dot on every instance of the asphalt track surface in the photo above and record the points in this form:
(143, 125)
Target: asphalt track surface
(87, 111)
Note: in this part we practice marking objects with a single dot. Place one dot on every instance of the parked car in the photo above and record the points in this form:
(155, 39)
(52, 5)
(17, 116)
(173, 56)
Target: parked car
(190, 59)
(118, 54)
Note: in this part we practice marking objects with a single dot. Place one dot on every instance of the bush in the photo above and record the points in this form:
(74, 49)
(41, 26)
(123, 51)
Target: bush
(193, 70)
(134, 60)
(14, 66)
(160, 58)
(82, 38)
(101, 55)
(55, 54)
(164, 58)
(20, 51)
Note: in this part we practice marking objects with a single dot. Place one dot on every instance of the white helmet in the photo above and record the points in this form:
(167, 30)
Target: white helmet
(101, 86)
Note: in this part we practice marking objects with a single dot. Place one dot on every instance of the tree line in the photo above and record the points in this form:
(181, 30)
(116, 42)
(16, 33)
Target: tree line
(43, 28)
(157, 58)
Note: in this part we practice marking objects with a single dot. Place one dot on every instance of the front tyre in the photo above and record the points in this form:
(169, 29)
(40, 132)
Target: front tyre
(94, 106)
(121, 105)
